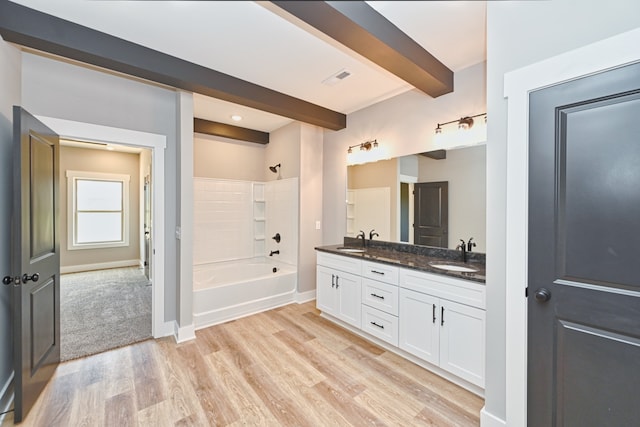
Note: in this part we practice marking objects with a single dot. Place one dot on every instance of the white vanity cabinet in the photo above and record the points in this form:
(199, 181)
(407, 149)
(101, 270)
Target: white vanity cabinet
(380, 301)
(338, 287)
(435, 318)
(442, 321)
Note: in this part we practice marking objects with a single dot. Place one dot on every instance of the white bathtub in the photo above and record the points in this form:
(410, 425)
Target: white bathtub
(224, 291)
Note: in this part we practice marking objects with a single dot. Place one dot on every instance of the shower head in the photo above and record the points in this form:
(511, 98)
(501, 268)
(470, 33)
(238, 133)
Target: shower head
(274, 169)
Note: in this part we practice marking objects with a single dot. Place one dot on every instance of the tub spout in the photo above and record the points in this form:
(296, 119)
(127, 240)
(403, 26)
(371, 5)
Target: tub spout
(274, 253)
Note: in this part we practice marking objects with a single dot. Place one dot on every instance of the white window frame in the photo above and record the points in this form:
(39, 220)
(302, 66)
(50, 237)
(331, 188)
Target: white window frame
(72, 178)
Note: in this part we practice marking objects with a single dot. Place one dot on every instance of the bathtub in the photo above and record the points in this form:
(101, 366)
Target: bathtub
(224, 291)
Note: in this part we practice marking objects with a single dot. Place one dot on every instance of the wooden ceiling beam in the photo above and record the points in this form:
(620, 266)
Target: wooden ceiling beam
(229, 131)
(37, 30)
(362, 29)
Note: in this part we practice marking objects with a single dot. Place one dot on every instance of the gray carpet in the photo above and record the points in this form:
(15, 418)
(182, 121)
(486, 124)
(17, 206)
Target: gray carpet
(102, 310)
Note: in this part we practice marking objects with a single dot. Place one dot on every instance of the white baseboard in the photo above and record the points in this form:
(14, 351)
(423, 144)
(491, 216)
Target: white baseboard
(98, 266)
(164, 330)
(6, 397)
(302, 297)
(184, 333)
(214, 317)
(490, 420)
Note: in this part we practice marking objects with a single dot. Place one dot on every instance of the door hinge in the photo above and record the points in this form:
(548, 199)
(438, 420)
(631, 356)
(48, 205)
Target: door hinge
(526, 292)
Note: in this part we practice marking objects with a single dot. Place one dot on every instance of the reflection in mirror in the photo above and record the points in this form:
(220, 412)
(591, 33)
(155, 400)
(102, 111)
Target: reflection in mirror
(429, 199)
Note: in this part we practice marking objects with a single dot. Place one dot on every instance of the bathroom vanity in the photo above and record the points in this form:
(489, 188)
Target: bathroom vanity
(433, 316)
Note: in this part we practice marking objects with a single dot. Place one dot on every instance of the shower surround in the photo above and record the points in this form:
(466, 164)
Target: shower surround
(234, 225)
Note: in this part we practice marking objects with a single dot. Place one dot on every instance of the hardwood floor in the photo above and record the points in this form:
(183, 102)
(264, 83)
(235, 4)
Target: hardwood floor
(286, 367)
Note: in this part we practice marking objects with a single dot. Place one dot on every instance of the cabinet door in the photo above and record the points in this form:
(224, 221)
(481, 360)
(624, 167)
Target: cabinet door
(420, 325)
(326, 293)
(349, 298)
(462, 341)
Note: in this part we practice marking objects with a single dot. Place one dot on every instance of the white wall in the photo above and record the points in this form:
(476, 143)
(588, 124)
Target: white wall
(62, 90)
(222, 220)
(465, 170)
(402, 125)
(519, 34)
(10, 77)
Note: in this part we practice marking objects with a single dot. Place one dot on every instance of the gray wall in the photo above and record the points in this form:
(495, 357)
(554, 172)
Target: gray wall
(519, 34)
(60, 89)
(9, 95)
(465, 170)
(402, 125)
(89, 160)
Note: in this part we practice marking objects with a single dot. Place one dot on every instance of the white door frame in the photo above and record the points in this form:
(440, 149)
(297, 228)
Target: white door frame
(605, 54)
(157, 143)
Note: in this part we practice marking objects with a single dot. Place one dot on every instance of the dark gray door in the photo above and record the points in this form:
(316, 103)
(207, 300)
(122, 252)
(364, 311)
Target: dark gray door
(584, 258)
(36, 259)
(431, 214)
(147, 226)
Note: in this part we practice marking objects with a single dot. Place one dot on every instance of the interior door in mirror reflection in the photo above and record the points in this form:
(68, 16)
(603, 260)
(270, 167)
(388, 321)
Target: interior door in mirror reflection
(431, 216)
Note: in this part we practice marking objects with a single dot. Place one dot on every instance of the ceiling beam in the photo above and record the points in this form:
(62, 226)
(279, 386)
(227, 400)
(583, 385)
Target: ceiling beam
(362, 29)
(230, 131)
(47, 33)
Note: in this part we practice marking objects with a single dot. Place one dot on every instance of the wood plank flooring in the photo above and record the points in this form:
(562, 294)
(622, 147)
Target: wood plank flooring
(284, 367)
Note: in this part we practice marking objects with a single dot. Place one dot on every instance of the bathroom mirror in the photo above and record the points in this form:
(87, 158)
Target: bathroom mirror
(448, 188)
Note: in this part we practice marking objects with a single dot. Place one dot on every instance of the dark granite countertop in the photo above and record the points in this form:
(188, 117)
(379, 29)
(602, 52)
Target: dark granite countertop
(402, 255)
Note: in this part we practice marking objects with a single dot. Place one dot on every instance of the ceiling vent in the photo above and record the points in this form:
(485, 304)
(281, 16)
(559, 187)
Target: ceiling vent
(336, 78)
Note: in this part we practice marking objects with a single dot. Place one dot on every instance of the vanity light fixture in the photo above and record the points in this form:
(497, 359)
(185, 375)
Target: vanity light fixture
(464, 123)
(364, 146)
(470, 131)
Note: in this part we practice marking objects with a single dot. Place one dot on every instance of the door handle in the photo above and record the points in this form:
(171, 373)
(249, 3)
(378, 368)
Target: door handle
(34, 277)
(8, 280)
(542, 295)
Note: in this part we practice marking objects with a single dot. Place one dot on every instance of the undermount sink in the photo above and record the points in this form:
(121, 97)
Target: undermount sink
(351, 250)
(457, 268)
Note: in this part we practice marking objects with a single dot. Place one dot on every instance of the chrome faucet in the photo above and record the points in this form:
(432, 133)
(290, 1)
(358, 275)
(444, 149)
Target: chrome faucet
(373, 233)
(463, 247)
(361, 234)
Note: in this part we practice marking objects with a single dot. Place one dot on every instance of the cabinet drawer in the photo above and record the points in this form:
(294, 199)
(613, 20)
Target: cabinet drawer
(382, 296)
(381, 272)
(338, 262)
(380, 324)
(462, 291)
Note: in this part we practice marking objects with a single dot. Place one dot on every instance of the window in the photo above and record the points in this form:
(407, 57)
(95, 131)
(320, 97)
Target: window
(98, 210)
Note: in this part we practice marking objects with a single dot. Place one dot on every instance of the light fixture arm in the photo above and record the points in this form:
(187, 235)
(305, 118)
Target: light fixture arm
(364, 146)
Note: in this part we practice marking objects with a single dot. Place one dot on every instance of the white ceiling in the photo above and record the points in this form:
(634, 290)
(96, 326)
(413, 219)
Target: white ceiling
(257, 42)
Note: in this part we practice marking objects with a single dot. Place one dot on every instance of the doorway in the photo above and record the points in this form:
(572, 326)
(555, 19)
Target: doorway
(156, 144)
(105, 298)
